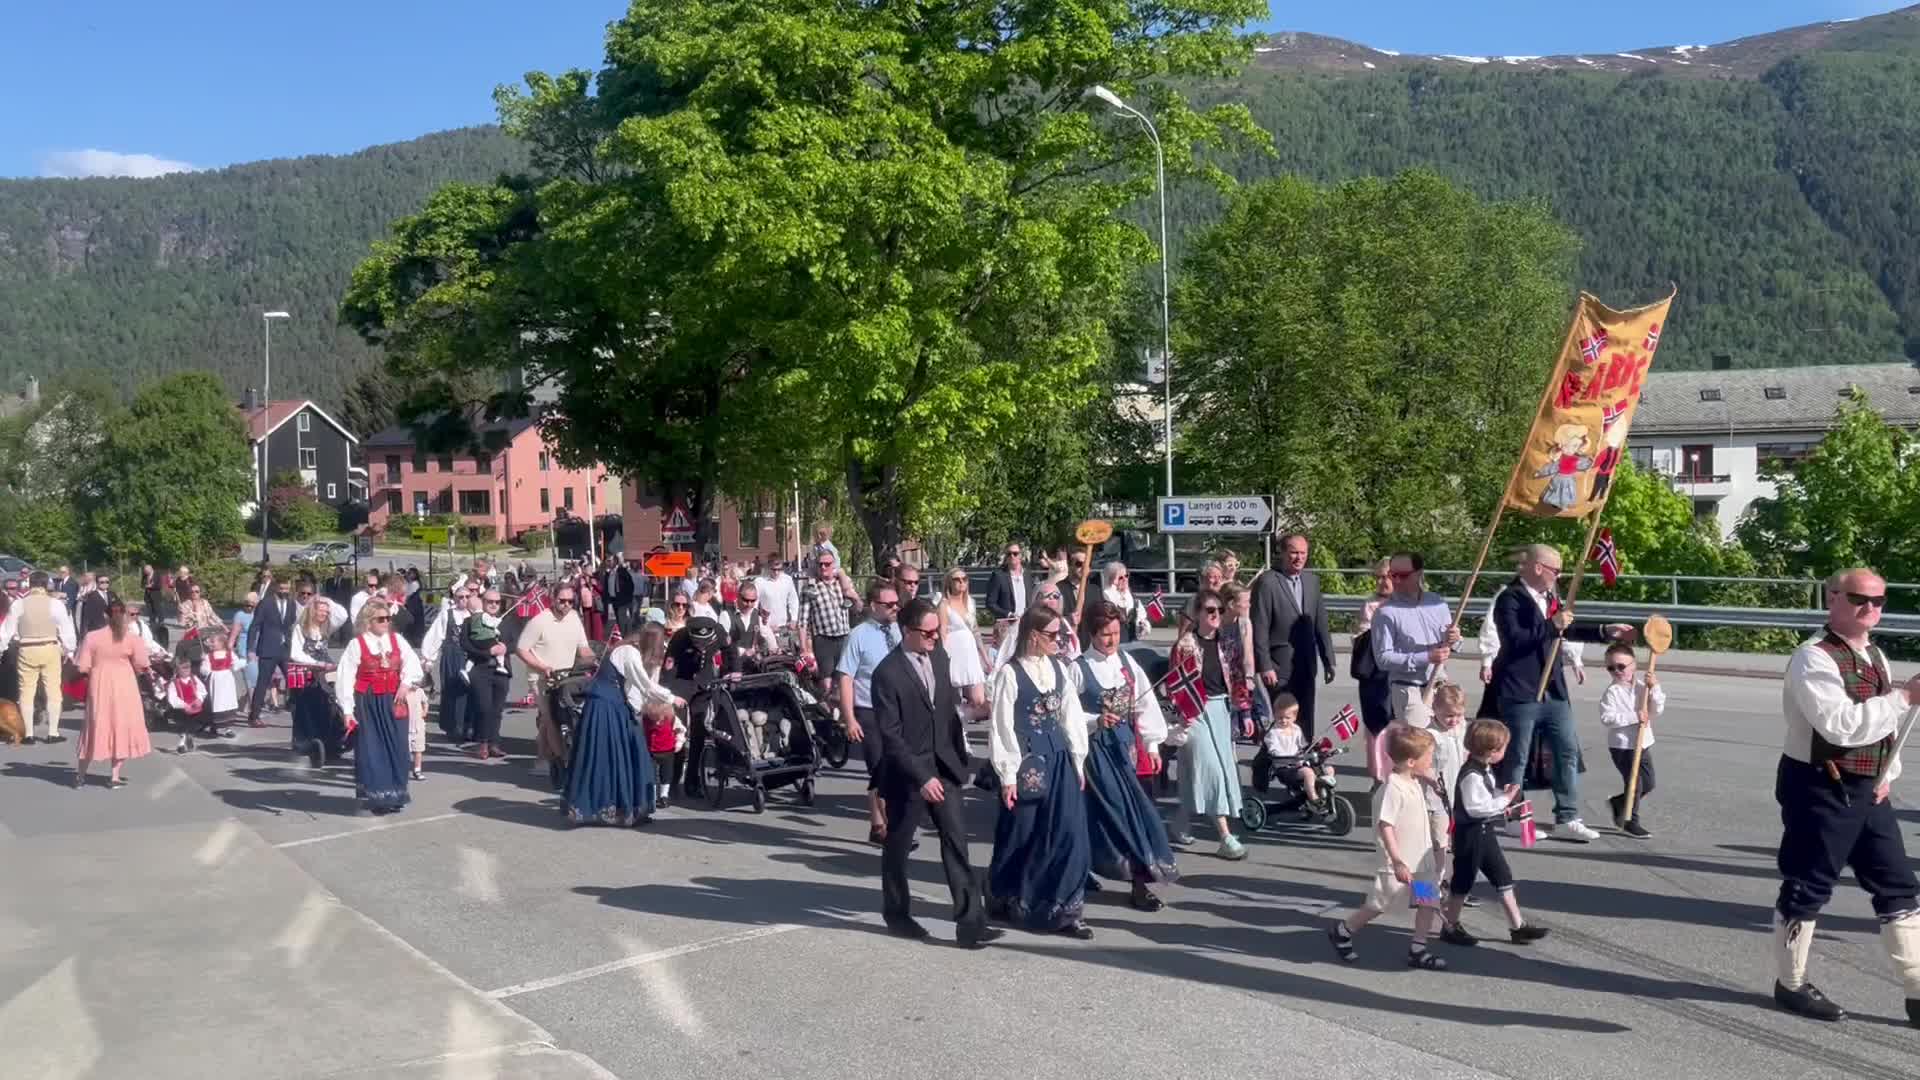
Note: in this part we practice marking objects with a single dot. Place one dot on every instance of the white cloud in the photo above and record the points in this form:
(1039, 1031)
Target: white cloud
(79, 163)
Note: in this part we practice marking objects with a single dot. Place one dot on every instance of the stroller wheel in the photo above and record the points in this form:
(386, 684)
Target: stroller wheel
(759, 800)
(1341, 820)
(836, 749)
(1253, 812)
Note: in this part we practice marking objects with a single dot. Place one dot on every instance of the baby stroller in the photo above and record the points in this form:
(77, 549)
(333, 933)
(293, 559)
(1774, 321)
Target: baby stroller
(760, 734)
(566, 698)
(153, 690)
(1336, 813)
(828, 732)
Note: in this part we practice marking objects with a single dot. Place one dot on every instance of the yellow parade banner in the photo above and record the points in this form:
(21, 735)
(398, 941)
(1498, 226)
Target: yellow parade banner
(1580, 431)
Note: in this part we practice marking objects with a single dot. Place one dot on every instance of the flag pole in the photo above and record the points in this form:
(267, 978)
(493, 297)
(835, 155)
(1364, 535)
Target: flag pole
(1573, 593)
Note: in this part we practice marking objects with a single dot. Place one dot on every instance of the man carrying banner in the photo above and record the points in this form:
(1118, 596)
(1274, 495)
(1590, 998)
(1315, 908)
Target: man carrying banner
(1846, 722)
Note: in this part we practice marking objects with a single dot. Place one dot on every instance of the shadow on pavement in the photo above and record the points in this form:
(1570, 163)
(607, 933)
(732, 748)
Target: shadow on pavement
(28, 770)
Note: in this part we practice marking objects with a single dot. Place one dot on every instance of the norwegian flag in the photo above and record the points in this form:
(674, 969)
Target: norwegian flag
(532, 602)
(1591, 348)
(1182, 686)
(1346, 722)
(1609, 559)
(1156, 610)
(613, 634)
(1653, 337)
(1611, 414)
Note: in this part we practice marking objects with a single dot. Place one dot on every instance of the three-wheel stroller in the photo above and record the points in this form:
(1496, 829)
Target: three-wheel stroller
(760, 734)
(828, 732)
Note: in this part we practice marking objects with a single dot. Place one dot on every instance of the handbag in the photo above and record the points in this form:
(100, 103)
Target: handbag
(1361, 665)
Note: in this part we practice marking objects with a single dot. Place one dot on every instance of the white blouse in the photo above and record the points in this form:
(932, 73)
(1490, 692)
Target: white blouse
(643, 686)
(301, 654)
(1003, 740)
(411, 673)
(1147, 717)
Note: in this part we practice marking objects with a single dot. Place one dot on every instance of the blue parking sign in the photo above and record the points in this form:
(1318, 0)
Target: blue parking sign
(1176, 514)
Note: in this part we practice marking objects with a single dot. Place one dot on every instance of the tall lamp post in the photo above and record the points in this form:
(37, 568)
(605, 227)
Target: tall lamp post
(1114, 102)
(266, 404)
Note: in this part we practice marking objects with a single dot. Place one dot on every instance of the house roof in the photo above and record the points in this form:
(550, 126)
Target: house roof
(1772, 399)
(266, 420)
(402, 435)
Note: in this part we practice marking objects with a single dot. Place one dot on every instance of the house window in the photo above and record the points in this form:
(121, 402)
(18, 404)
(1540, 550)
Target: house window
(546, 501)
(546, 461)
(393, 502)
(476, 502)
(1712, 394)
(421, 504)
(1642, 458)
(446, 462)
(309, 458)
(303, 422)
(566, 497)
(1696, 463)
(1776, 393)
(333, 491)
(393, 469)
(443, 504)
(419, 461)
(1787, 454)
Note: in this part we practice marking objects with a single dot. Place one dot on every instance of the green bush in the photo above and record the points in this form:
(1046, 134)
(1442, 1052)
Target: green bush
(294, 512)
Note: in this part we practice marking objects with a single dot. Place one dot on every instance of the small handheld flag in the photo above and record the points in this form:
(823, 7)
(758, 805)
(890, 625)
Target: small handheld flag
(1346, 723)
(1608, 557)
(1425, 893)
(1156, 611)
(1182, 686)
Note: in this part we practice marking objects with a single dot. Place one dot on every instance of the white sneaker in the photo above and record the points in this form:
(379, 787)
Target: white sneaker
(1574, 831)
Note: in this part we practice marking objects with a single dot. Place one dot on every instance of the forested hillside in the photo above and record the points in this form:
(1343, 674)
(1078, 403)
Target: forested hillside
(1776, 180)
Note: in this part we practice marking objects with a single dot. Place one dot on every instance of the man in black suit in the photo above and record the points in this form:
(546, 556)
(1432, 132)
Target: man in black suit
(1530, 619)
(925, 764)
(93, 607)
(270, 641)
(1290, 628)
(1007, 590)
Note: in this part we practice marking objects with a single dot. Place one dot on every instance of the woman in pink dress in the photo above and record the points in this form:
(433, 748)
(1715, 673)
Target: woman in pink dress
(116, 726)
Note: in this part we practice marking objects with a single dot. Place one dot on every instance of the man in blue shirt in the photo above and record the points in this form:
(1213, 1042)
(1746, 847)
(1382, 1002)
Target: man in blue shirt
(867, 645)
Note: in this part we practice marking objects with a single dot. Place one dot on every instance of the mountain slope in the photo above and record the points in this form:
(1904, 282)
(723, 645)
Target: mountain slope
(1776, 179)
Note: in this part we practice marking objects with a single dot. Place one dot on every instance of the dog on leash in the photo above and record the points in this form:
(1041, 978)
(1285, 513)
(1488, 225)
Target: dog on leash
(12, 728)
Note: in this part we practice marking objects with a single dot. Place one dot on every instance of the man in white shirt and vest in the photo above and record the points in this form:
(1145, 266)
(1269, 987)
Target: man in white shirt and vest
(44, 630)
(553, 640)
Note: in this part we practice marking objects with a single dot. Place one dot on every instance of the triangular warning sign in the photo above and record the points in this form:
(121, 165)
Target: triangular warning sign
(678, 521)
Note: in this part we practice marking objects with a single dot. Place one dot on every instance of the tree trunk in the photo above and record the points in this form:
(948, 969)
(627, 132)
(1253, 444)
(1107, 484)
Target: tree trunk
(875, 498)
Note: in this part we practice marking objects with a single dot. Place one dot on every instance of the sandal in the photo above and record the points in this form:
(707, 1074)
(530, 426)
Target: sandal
(1144, 900)
(1342, 939)
(1425, 960)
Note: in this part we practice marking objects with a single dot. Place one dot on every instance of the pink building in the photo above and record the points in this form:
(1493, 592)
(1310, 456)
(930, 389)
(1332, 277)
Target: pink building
(518, 489)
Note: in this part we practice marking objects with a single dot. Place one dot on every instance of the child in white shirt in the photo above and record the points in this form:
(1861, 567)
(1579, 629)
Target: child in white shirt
(1620, 712)
(1285, 742)
(1449, 730)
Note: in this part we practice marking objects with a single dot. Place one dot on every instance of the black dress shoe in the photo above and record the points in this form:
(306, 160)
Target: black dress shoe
(56, 738)
(980, 938)
(1913, 1011)
(908, 928)
(1144, 900)
(1809, 1002)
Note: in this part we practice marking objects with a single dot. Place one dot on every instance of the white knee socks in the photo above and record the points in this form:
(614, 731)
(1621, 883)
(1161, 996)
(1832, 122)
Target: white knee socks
(1902, 935)
(1792, 942)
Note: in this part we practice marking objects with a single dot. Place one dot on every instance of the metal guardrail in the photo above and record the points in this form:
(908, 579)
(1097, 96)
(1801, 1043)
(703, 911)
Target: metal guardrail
(1803, 619)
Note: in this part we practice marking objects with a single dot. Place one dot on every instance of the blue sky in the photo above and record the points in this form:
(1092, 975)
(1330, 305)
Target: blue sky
(94, 86)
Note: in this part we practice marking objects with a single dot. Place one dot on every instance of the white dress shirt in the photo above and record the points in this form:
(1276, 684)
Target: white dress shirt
(1148, 720)
(62, 624)
(1620, 712)
(779, 599)
(411, 673)
(1003, 739)
(643, 686)
(1814, 699)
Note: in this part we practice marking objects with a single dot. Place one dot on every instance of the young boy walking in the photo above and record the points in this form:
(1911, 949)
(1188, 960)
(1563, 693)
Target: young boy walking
(1620, 712)
(1412, 847)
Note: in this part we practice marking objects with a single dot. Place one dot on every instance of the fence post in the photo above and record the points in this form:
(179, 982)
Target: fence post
(1676, 590)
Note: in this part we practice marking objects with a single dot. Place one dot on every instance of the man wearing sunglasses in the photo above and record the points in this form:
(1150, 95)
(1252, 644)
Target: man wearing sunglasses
(1844, 716)
(270, 642)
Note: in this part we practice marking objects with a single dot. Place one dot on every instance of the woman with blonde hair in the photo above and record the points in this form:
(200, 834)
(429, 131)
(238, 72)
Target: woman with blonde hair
(374, 670)
(966, 654)
(318, 731)
(1134, 624)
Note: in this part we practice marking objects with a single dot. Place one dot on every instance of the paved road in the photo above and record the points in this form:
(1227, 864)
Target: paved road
(229, 915)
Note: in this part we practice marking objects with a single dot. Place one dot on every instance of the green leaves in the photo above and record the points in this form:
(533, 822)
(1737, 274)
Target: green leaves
(173, 474)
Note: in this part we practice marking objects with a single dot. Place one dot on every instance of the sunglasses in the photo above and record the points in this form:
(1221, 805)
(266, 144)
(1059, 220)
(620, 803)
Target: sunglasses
(678, 603)
(1210, 609)
(1863, 600)
(491, 603)
(886, 603)
(929, 634)
(564, 600)
(381, 619)
(1618, 668)
(303, 596)
(910, 582)
(1401, 575)
(1053, 631)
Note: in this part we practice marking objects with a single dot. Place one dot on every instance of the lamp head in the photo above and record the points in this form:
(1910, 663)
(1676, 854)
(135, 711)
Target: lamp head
(1111, 99)
(275, 315)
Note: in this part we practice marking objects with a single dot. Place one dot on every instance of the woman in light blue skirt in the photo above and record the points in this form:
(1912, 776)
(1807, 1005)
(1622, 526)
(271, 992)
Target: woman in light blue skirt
(1209, 771)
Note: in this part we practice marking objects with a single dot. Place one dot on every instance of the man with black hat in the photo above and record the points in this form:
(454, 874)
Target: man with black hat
(1845, 720)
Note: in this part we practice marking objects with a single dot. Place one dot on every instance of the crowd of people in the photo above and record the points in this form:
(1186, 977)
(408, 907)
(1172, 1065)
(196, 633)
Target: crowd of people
(1079, 736)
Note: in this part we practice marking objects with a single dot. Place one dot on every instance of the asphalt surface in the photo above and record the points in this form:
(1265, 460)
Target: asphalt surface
(230, 914)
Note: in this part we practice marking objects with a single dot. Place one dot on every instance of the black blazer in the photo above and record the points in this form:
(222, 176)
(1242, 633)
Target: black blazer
(1000, 597)
(93, 611)
(1287, 636)
(919, 739)
(269, 636)
(1526, 638)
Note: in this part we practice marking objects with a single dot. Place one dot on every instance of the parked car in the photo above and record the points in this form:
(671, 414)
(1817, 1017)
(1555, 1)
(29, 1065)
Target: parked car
(324, 553)
(15, 567)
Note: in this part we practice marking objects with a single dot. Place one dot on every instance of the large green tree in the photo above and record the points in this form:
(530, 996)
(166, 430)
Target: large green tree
(1370, 353)
(174, 473)
(800, 239)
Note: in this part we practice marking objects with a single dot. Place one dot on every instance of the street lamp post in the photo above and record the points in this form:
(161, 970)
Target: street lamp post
(1114, 102)
(266, 404)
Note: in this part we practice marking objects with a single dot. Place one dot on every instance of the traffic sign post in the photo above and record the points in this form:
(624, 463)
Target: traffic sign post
(1249, 514)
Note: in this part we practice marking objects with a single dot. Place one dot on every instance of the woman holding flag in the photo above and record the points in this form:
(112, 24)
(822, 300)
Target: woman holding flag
(1197, 686)
(1129, 841)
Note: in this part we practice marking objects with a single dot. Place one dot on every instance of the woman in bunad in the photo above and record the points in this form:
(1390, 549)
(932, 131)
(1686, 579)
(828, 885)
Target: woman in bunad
(1038, 745)
(375, 667)
(1209, 772)
(1134, 623)
(610, 777)
(441, 648)
(1129, 842)
(319, 729)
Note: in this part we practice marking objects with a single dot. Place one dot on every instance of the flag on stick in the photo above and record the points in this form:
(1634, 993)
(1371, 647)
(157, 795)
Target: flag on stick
(1346, 723)
(1608, 558)
(1182, 686)
(1156, 611)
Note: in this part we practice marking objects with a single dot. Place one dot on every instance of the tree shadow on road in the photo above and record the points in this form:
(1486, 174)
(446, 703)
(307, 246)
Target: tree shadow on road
(1606, 901)
(29, 770)
(278, 801)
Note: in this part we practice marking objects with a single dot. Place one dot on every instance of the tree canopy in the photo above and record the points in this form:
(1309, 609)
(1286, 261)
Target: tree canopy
(173, 474)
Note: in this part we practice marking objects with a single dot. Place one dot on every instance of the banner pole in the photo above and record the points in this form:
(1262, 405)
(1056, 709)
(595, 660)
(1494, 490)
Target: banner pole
(1573, 593)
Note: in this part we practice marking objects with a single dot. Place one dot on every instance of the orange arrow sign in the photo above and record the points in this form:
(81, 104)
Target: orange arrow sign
(670, 563)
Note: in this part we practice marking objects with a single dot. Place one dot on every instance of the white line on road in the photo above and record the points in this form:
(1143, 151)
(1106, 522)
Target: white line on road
(367, 829)
(644, 958)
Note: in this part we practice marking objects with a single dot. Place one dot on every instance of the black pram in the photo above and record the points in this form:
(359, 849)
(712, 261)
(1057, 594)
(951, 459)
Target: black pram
(759, 734)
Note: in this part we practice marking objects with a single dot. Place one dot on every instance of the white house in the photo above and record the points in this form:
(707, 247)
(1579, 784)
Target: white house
(1711, 432)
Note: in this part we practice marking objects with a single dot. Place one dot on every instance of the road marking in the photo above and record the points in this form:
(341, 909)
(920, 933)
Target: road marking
(654, 957)
(366, 829)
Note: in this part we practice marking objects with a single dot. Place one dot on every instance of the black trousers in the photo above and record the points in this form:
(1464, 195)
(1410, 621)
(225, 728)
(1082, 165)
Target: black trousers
(1830, 826)
(869, 744)
(486, 700)
(905, 806)
(1623, 760)
(264, 683)
(1476, 853)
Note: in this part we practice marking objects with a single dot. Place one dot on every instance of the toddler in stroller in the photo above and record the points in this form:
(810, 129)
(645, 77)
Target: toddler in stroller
(1302, 770)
